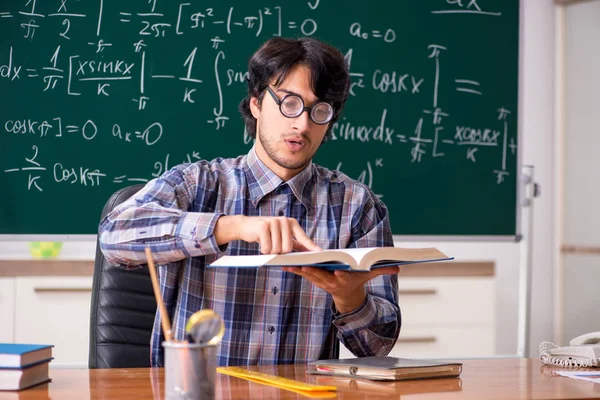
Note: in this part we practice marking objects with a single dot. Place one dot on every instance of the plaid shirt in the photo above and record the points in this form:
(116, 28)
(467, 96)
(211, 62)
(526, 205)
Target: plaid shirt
(271, 316)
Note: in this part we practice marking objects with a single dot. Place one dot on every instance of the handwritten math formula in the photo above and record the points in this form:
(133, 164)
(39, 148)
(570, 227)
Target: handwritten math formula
(104, 93)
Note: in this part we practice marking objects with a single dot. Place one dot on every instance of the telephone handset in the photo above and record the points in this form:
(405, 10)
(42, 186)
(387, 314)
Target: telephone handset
(584, 351)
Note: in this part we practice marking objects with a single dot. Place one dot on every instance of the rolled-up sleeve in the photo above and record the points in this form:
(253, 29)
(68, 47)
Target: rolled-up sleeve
(373, 328)
(158, 217)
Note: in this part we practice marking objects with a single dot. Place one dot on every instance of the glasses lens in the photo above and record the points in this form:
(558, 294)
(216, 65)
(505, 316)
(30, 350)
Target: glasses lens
(292, 106)
(322, 113)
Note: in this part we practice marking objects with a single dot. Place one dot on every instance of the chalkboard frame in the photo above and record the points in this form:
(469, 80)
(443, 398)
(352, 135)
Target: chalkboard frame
(519, 189)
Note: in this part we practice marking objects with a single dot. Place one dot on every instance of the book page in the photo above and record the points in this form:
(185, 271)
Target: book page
(306, 258)
(358, 254)
(359, 259)
(301, 258)
(392, 254)
(243, 261)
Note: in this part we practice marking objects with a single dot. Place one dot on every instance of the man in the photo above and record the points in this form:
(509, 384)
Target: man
(272, 200)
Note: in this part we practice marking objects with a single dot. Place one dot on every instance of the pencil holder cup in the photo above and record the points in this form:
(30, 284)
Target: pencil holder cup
(190, 370)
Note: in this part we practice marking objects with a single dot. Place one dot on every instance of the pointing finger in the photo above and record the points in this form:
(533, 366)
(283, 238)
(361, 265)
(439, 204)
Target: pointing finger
(302, 238)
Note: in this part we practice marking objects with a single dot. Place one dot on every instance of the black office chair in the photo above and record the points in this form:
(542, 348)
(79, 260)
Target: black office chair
(123, 308)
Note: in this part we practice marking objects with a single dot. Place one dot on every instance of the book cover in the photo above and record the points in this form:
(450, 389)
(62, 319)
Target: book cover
(16, 355)
(389, 389)
(385, 368)
(24, 377)
(355, 259)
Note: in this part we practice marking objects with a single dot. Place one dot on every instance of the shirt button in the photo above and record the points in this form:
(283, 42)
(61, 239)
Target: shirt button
(281, 213)
(275, 290)
(271, 329)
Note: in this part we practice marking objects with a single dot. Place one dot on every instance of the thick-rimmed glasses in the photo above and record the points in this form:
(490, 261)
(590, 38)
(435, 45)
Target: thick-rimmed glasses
(291, 106)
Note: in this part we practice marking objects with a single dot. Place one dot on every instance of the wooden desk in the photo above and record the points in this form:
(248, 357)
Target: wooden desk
(481, 379)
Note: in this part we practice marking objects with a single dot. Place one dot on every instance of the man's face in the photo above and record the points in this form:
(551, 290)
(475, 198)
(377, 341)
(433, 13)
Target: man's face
(286, 145)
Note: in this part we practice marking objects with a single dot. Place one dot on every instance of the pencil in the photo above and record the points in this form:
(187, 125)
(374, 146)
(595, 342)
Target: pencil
(164, 317)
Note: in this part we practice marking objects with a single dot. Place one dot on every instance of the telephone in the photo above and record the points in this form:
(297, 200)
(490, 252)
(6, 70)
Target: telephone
(583, 351)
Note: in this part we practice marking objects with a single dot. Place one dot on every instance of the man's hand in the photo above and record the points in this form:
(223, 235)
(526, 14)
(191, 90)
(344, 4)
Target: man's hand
(275, 235)
(346, 288)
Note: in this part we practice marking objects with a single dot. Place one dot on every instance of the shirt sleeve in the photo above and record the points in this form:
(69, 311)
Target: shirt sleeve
(158, 217)
(373, 328)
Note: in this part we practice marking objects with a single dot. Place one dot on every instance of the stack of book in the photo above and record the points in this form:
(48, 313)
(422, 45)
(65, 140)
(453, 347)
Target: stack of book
(24, 365)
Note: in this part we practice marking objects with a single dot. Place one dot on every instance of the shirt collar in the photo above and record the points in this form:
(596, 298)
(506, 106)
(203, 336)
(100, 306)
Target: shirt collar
(262, 181)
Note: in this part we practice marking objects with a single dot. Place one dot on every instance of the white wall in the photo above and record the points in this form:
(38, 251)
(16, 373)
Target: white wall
(538, 146)
(581, 165)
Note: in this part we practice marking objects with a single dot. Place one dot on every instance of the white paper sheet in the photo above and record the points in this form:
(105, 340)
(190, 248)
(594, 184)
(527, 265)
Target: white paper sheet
(591, 376)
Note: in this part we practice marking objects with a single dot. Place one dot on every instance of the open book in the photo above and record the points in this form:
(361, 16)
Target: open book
(362, 259)
(385, 368)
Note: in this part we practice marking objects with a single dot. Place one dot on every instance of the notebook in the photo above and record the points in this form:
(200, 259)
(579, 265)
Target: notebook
(15, 355)
(389, 389)
(385, 368)
(22, 378)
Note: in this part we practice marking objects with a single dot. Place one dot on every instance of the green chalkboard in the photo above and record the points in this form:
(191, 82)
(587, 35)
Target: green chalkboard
(100, 94)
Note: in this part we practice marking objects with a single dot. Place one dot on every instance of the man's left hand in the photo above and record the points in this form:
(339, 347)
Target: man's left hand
(346, 288)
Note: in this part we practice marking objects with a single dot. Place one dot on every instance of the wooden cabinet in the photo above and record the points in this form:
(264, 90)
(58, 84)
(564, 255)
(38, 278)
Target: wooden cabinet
(7, 309)
(48, 310)
(55, 310)
(445, 342)
(48, 302)
(448, 310)
(445, 317)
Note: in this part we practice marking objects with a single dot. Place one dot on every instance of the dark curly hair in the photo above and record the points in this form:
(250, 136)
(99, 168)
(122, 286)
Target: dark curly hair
(330, 80)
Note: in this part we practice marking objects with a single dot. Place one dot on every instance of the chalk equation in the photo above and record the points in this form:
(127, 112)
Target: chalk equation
(167, 67)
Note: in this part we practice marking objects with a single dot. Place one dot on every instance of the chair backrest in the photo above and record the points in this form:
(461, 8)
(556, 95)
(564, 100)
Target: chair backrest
(123, 308)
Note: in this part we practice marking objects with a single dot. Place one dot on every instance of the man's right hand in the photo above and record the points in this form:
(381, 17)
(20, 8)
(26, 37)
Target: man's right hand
(275, 235)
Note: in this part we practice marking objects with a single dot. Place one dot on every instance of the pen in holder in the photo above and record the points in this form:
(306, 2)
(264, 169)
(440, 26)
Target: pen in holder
(190, 366)
(164, 316)
(182, 382)
(190, 370)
